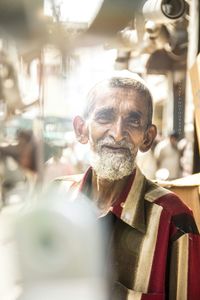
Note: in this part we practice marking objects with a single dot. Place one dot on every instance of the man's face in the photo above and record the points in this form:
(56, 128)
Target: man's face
(116, 130)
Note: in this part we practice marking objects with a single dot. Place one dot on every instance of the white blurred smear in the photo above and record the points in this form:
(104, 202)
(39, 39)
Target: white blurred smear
(65, 96)
(162, 174)
(62, 290)
(74, 11)
(10, 277)
(60, 249)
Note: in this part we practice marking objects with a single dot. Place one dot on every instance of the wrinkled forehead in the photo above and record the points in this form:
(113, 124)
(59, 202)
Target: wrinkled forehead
(117, 96)
(113, 94)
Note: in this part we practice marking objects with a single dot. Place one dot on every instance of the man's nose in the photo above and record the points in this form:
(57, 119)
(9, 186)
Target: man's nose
(117, 131)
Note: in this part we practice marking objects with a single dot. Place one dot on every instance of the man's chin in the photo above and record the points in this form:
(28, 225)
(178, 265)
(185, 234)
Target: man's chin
(112, 167)
(111, 177)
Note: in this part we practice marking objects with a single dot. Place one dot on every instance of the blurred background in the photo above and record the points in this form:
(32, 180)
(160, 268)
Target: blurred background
(53, 51)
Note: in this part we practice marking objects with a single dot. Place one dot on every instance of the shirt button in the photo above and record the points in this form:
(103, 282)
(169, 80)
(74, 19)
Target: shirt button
(122, 204)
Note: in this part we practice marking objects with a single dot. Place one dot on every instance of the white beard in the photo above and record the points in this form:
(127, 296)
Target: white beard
(112, 165)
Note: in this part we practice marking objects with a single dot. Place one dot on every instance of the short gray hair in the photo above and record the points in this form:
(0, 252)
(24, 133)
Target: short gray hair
(120, 82)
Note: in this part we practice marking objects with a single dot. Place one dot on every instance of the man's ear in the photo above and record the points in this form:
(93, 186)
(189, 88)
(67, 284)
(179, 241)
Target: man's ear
(80, 130)
(149, 137)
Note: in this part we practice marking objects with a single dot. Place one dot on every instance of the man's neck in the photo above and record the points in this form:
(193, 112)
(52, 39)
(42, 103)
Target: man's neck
(106, 192)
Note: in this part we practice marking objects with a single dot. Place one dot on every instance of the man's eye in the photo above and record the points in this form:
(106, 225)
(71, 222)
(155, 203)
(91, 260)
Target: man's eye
(103, 118)
(133, 123)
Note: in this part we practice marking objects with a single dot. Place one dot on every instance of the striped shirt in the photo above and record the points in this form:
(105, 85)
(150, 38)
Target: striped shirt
(153, 240)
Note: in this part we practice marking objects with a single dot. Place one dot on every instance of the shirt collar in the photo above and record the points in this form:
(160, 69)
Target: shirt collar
(131, 200)
(133, 212)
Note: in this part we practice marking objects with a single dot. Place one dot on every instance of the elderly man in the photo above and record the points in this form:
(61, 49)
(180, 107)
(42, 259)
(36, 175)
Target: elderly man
(152, 234)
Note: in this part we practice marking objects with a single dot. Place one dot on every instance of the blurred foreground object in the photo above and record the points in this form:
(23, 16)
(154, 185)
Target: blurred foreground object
(60, 250)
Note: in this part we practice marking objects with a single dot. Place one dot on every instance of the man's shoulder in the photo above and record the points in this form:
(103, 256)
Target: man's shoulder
(68, 181)
(74, 178)
(169, 201)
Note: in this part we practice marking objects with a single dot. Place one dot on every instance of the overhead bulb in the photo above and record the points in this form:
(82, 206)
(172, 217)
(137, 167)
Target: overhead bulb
(173, 9)
(163, 11)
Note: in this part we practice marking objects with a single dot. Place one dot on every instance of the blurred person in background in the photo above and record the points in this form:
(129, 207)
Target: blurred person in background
(146, 161)
(185, 146)
(168, 156)
(152, 236)
(18, 166)
(77, 155)
(57, 165)
(24, 151)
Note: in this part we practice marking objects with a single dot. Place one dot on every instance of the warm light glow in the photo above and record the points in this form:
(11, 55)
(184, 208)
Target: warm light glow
(73, 11)
(65, 96)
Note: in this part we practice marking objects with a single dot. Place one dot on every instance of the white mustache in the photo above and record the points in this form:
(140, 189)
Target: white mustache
(108, 141)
